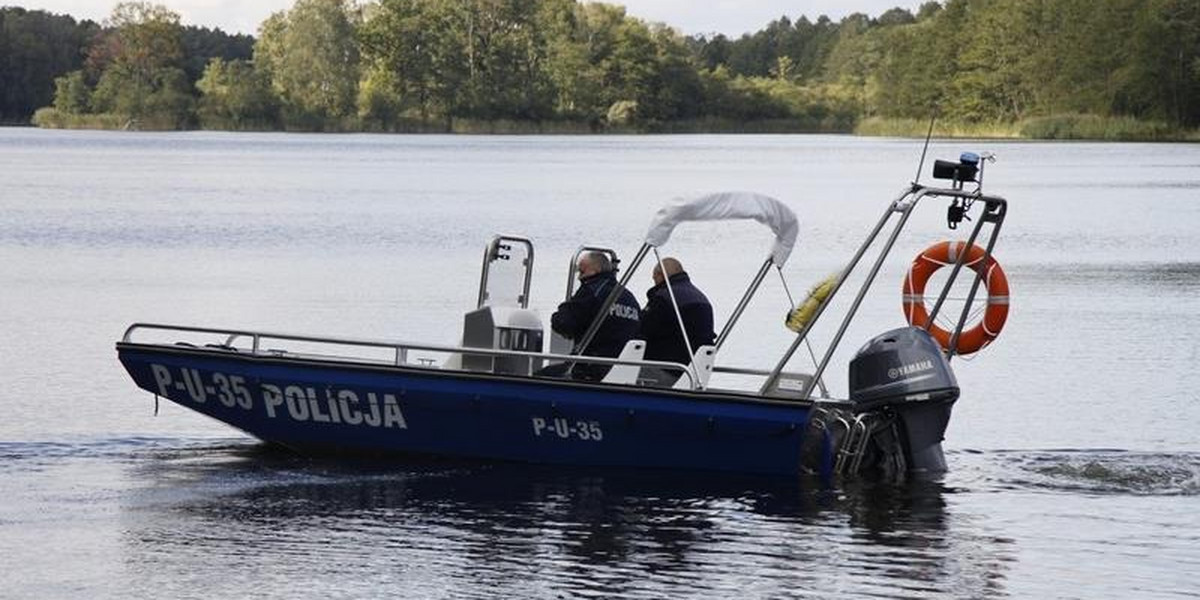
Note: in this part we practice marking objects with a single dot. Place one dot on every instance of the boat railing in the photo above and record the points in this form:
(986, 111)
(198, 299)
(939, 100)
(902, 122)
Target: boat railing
(398, 352)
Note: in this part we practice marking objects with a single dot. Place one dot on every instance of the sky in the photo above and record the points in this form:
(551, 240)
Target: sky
(731, 17)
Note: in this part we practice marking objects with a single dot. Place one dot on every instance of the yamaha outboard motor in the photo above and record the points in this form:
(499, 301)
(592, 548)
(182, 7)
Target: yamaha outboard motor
(904, 376)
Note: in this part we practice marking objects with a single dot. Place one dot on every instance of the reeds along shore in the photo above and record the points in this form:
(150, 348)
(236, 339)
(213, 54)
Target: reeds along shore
(1057, 127)
(1061, 127)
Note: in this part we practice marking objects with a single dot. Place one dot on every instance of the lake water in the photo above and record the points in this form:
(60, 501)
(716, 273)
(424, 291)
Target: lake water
(1073, 452)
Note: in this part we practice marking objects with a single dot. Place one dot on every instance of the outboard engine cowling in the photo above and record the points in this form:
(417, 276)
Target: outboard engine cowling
(905, 373)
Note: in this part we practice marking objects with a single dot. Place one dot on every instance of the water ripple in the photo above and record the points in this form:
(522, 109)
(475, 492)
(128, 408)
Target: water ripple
(1097, 471)
(1119, 472)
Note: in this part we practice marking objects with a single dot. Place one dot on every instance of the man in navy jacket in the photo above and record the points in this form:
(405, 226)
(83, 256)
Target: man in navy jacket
(597, 278)
(660, 325)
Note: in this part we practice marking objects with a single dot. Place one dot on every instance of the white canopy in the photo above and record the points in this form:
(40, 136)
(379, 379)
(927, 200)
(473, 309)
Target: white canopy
(729, 206)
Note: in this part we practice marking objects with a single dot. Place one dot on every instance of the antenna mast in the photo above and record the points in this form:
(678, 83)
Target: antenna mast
(928, 136)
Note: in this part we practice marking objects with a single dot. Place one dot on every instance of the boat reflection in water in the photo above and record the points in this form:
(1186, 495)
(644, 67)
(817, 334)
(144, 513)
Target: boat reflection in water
(250, 517)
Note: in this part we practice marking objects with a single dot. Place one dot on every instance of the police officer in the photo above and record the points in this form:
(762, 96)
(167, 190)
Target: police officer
(573, 317)
(660, 325)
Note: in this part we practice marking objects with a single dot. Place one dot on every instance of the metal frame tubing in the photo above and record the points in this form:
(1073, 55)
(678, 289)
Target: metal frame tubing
(678, 315)
(997, 219)
(528, 272)
(862, 292)
(483, 271)
(787, 356)
(741, 307)
(583, 342)
(493, 248)
(959, 261)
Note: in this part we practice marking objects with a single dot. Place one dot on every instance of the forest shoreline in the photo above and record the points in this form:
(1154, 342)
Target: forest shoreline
(1122, 70)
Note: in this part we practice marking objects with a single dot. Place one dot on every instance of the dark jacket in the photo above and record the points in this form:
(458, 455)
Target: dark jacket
(660, 326)
(574, 316)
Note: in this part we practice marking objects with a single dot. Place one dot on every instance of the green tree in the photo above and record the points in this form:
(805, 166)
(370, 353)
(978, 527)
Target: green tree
(139, 61)
(72, 94)
(172, 100)
(414, 42)
(503, 52)
(36, 48)
(994, 79)
(235, 95)
(1088, 47)
(202, 44)
(928, 10)
(624, 51)
(856, 59)
(917, 64)
(311, 55)
(575, 41)
(147, 37)
(895, 16)
(164, 101)
(673, 89)
(713, 52)
(1164, 73)
(379, 106)
(728, 97)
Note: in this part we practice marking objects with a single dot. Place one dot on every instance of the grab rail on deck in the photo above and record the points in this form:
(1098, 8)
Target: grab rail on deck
(401, 349)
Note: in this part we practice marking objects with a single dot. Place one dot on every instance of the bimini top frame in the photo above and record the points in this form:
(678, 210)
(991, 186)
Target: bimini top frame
(724, 206)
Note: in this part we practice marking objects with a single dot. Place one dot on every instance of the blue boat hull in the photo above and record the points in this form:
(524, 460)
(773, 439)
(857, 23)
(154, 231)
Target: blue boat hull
(324, 405)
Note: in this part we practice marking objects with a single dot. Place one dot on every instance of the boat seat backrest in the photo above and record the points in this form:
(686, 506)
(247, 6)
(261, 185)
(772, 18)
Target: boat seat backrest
(627, 374)
(702, 363)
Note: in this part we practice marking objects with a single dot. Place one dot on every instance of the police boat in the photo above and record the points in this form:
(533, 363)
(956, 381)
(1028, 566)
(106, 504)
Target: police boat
(488, 399)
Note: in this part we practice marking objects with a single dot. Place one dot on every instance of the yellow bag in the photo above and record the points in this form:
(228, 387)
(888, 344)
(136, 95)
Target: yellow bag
(798, 317)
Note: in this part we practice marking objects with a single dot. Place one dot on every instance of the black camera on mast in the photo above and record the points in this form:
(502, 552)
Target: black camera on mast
(964, 171)
(968, 169)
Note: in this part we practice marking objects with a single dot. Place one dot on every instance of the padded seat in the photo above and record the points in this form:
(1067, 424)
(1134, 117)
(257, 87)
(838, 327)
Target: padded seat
(627, 374)
(702, 363)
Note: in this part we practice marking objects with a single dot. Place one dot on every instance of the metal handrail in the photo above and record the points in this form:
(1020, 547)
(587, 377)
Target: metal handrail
(492, 253)
(401, 348)
(766, 373)
(748, 371)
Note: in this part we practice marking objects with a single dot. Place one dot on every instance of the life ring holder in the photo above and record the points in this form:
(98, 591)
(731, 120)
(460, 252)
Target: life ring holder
(945, 254)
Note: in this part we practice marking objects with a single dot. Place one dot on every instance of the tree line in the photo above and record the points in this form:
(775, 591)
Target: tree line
(451, 65)
(37, 48)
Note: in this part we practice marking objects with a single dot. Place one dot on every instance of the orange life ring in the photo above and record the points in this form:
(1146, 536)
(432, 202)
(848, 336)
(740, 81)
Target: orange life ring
(946, 254)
